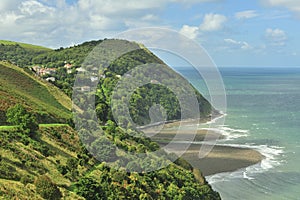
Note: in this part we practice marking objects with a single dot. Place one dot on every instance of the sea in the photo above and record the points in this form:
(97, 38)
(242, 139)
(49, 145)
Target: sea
(263, 113)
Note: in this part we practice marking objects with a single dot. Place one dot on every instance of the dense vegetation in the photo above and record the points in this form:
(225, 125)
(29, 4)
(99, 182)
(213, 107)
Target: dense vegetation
(19, 53)
(53, 163)
(23, 120)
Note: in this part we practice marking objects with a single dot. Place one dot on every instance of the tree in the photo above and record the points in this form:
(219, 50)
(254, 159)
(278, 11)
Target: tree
(89, 189)
(46, 188)
(18, 116)
(103, 149)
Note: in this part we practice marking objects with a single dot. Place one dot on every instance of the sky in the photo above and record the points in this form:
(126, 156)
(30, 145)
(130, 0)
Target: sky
(235, 33)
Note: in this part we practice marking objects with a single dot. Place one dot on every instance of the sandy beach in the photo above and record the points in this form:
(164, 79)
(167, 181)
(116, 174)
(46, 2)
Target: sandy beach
(221, 159)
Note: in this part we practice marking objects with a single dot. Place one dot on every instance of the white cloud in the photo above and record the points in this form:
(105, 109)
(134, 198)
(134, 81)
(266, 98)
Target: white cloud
(293, 5)
(7, 5)
(189, 31)
(213, 22)
(113, 7)
(57, 23)
(32, 7)
(276, 37)
(150, 17)
(233, 44)
(193, 1)
(9, 19)
(247, 14)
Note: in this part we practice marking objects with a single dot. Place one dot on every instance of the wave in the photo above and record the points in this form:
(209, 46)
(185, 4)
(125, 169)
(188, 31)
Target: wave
(228, 133)
(215, 119)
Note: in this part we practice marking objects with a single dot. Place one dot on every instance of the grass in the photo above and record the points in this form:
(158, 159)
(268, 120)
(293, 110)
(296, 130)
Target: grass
(17, 86)
(10, 128)
(13, 189)
(52, 125)
(5, 128)
(24, 45)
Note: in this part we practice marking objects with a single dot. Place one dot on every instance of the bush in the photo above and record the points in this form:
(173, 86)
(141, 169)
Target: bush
(8, 172)
(26, 179)
(62, 169)
(89, 189)
(45, 150)
(72, 164)
(26, 122)
(46, 188)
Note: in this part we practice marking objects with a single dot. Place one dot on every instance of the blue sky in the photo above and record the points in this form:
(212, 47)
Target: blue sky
(234, 32)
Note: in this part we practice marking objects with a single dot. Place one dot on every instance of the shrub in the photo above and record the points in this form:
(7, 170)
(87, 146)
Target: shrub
(18, 116)
(8, 172)
(46, 188)
(26, 179)
(89, 189)
(62, 169)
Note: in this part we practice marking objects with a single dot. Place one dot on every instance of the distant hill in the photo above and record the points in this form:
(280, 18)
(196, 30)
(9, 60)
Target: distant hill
(45, 100)
(24, 45)
(20, 54)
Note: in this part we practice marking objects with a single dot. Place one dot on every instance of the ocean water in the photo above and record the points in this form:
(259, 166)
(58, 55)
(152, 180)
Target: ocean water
(263, 113)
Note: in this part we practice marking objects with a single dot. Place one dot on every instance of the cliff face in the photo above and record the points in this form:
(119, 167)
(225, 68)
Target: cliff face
(55, 150)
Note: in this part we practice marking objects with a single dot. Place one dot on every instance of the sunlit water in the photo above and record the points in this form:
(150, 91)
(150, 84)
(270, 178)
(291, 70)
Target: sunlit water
(264, 114)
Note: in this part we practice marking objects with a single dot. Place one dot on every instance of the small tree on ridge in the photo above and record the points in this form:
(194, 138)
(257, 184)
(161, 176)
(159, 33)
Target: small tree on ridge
(25, 121)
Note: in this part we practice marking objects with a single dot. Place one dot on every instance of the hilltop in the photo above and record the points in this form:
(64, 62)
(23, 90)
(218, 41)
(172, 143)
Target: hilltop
(24, 45)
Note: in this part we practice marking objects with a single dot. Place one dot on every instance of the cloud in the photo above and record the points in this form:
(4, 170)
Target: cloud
(293, 5)
(193, 1)
(8, 5)
(189, 31)
(276, 37)
(150, 17)
(61, 23)
(247, 14)
(58, 23)
(233, 44)
(213, 22)
(33, 7)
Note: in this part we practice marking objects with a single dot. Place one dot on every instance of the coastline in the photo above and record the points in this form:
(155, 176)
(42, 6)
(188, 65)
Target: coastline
(221, 159)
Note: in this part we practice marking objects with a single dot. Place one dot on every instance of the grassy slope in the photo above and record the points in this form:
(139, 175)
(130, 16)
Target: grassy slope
(26, 46)
(17, 86)
(28, 161)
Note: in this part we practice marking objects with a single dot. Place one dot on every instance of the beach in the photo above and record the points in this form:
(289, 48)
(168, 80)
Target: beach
(220, 159)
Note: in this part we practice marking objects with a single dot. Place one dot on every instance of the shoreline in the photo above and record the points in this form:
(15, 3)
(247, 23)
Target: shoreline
(222, 158)
(171, 123)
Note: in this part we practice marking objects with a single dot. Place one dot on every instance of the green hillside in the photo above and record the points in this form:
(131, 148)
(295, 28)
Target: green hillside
(20, 54)
(24, 45)
(52, 163)
(44, 99)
